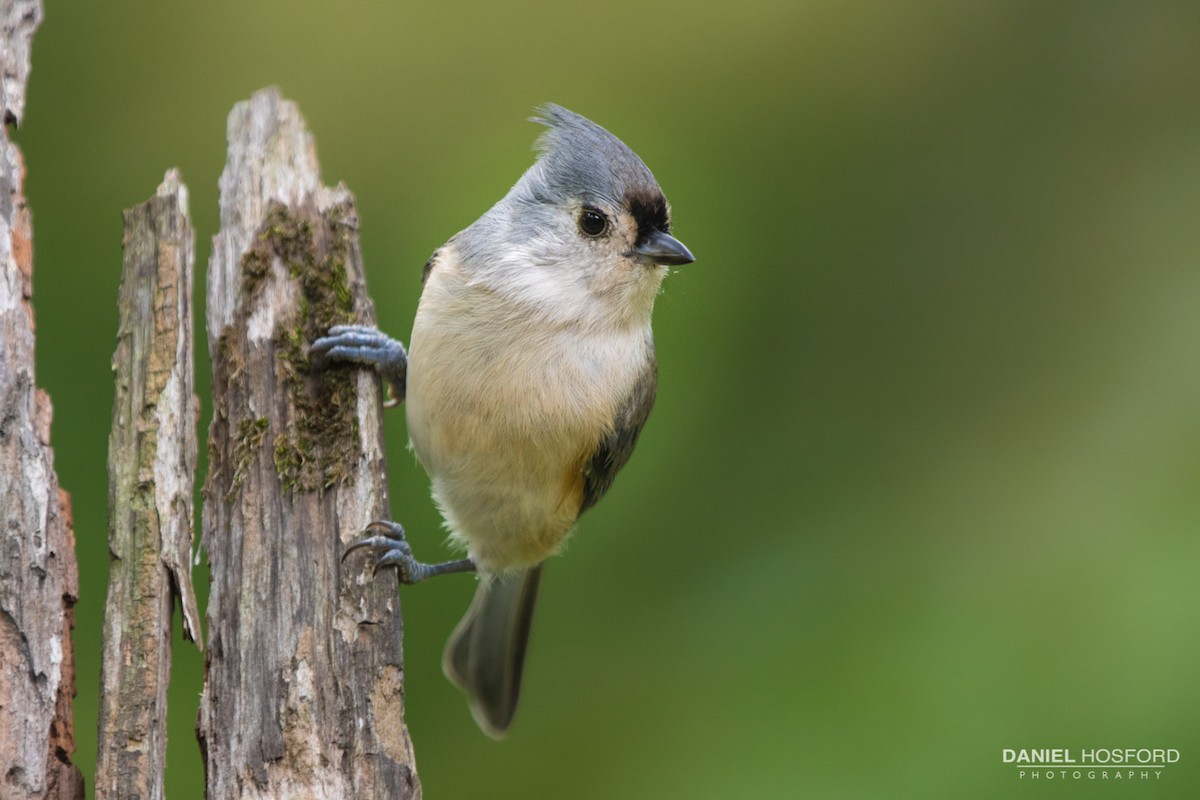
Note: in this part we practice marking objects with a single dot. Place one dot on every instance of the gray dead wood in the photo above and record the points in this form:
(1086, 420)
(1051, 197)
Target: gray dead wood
(18, 20)
(303, 694)
(39, 578)
(151, 470)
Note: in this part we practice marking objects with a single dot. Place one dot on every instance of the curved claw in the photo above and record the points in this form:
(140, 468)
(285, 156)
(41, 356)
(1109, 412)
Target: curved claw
(378, 543)
(366, 345)
(387, 537)
(387, 527)
(380, 534)
(361, 344)
(345, 342)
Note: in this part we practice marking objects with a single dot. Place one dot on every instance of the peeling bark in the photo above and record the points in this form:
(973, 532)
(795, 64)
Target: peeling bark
(303, 693)
(39, 578)
(152, 467)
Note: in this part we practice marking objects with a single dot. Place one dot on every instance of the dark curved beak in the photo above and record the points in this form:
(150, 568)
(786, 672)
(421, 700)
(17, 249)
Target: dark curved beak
(662, 248)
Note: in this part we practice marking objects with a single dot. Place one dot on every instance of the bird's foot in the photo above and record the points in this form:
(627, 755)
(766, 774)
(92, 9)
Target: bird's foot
(387, 539)
(363, 344)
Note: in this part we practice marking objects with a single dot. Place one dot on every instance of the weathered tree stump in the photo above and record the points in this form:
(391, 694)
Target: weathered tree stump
(152, 474)
(39, 578)
(303, 694)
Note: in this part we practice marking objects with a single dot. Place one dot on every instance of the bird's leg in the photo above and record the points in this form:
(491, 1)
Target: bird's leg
(387, 538)
(363, 344)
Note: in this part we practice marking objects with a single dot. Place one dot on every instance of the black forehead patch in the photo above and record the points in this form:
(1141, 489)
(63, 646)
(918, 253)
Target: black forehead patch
(650, 212)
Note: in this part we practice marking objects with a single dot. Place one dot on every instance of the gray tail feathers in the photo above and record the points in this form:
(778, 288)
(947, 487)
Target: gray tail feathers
(486, 652)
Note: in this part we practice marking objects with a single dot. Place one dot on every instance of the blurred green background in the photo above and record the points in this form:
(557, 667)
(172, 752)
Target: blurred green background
(922, 481)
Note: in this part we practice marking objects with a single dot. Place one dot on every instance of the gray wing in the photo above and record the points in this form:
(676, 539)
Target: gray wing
(616, 448)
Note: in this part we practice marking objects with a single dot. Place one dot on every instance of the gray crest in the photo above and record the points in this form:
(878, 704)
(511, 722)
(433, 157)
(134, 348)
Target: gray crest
(580, 159)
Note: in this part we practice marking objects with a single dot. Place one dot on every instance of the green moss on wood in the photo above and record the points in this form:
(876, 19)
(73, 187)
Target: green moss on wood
(318, 447)
(246, 444)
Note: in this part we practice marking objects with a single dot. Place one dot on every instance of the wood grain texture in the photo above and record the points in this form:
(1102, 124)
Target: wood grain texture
(39, 579)
(18, 20)
(151, 467)
(303, 694)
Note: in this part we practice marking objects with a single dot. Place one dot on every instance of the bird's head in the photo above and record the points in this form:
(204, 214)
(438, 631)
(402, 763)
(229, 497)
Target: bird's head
(585, 231)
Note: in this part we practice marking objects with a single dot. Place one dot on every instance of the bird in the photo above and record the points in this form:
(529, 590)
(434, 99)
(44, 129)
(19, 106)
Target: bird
(529, 375)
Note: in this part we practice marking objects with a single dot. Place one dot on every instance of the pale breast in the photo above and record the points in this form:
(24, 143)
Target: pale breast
(503, 412)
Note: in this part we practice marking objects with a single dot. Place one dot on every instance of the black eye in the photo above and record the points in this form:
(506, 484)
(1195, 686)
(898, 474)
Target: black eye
(592, 222)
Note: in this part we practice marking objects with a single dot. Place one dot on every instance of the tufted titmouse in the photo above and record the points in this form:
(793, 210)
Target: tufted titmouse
(530, 375)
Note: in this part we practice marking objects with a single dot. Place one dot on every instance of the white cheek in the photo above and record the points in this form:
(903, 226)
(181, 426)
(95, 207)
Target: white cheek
(570, 281)
(542, 274)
